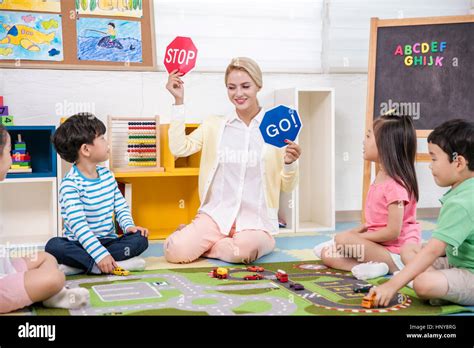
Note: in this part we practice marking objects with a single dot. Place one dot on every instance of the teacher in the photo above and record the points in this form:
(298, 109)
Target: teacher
(240, 177)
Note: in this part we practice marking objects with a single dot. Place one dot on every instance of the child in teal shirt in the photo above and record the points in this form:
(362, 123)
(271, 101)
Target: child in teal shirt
(444, 268)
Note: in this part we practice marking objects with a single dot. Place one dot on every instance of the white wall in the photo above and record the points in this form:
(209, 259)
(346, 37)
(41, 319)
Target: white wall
(35, 95)
(43, 96)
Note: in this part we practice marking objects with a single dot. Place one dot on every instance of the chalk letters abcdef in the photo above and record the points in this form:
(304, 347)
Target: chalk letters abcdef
(422, 53)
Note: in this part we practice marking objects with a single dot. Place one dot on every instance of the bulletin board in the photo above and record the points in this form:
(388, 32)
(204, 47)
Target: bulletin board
(78, 34)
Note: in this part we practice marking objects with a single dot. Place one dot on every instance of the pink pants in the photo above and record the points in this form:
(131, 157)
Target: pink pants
(13, 293)
(202, 237)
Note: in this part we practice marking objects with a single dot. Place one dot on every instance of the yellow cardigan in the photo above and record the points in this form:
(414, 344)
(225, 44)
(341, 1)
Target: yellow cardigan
(276, 175)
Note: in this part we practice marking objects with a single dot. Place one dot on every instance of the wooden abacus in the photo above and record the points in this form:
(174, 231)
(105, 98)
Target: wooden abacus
(134, 144)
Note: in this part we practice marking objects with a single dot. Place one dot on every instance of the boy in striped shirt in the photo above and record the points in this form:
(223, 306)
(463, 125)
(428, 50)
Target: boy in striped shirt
(89, 198)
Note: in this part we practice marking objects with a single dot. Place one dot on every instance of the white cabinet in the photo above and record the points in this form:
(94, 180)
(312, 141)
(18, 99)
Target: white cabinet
(28, 211)
(29, 201)
(311, 207)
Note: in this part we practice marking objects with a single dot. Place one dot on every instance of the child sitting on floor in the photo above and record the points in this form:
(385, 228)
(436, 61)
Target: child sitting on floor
(373, 250)
(443, 270)
(24, 281)
(90, 199)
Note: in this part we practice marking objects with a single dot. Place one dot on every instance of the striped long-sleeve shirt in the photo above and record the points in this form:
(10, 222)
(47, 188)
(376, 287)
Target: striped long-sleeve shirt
(88, 207)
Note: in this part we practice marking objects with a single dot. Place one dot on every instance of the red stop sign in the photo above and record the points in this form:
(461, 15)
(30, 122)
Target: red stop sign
(180, 54)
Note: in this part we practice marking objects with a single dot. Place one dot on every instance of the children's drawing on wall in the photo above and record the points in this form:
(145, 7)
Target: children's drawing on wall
(124, 8)
(30, 36)
(109, 40)
(31, 5)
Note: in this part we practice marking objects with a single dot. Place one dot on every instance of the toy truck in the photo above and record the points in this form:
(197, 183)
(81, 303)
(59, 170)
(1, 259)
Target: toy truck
(368, 301)
(282, 276)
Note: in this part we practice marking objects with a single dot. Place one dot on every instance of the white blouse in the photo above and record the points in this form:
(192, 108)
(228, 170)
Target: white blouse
(236, 193)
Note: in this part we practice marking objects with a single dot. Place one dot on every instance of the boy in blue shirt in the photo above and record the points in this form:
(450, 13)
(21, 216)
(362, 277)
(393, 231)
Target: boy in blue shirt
(89, 198)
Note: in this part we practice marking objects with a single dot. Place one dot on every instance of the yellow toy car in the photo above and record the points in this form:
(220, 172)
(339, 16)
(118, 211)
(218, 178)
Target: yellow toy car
(220, 273)
(119, 271)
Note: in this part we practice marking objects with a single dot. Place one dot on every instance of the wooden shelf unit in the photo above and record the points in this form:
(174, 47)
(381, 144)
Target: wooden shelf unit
(161, 201)
(311, 207)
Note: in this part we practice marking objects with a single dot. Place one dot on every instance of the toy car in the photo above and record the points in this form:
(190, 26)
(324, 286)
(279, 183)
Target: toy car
(255, 269)
(368, 302)
(297, 286)
(282, 276)
(254, 277)
(220, 273)
(119, 271)
(362, 288)
(160, 283)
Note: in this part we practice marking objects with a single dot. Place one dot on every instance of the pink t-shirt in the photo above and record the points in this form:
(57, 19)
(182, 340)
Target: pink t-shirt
(379, 197)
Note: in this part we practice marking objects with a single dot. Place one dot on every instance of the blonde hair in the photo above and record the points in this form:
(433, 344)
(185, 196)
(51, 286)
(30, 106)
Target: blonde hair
(249, 66)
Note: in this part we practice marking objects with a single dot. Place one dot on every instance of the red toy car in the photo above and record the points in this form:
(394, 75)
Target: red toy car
(255, 269)
(254, 277)
(282, 276)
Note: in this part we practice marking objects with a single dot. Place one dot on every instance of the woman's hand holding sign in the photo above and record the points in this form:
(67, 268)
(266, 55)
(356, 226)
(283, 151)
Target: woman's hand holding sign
(292, 152)
(175, 86)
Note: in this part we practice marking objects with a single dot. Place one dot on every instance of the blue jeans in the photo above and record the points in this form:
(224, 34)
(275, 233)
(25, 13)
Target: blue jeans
(71, 253)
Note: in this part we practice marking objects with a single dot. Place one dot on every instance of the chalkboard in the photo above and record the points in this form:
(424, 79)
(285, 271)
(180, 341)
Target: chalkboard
(424, 68)
(431, 90)
(85, 35)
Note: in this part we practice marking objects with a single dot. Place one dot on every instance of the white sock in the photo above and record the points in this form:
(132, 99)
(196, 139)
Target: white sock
(68, 298)
(369, 270)
(133, 264)
(68, 270)
(319, 248)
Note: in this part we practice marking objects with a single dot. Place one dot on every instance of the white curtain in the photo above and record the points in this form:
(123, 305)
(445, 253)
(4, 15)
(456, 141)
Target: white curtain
(301, 36)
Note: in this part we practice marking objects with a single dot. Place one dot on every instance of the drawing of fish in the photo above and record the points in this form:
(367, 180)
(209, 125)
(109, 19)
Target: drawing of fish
(26, 37)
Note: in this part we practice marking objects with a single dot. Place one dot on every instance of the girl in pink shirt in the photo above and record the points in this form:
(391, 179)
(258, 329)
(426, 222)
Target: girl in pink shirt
(373, 249)
(25, 280)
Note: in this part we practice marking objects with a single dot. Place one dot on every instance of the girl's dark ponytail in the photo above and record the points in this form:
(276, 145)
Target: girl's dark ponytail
(395, 137)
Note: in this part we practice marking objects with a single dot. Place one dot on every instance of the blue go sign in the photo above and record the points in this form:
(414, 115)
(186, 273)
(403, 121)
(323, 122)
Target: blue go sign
(278, 124)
